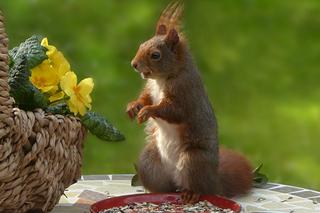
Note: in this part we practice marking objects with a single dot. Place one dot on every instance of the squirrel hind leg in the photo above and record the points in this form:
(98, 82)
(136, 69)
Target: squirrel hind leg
(152, 172)
(235, 173)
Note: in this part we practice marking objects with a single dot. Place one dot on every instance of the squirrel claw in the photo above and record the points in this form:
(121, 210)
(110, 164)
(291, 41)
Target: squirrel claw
(189, 197)
(144, 114)
(133, 109)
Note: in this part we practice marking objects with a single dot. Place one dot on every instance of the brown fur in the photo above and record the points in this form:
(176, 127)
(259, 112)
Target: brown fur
(151, 169)
(235, 173)
(177, 108)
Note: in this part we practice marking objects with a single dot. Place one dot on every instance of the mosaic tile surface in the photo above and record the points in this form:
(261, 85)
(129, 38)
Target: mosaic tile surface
(272, 198)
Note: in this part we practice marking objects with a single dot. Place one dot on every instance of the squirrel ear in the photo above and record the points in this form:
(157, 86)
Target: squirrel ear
(172, 39)
(161, 30)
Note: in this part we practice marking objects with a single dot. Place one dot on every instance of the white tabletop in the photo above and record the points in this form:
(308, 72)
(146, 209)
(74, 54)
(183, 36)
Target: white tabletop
(272, 197)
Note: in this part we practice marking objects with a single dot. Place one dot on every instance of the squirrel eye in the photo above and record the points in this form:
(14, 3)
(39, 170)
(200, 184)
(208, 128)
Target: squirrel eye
(155, 55)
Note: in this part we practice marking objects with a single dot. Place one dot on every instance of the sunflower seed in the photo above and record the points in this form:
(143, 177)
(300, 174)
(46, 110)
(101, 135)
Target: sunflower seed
(200, 207)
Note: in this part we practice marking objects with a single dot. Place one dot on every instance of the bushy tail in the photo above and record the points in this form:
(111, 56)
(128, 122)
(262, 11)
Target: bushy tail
(235, 173)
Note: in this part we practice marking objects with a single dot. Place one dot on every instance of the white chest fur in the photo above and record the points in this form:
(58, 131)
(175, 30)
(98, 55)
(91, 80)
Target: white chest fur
(156, 89)
(166, 134)
(168, 140)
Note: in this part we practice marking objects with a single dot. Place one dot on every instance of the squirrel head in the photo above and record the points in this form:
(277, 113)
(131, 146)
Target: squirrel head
(160, 56)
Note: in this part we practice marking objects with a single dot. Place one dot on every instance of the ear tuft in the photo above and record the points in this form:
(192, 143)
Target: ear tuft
(170, 17)
(161, 30)
(172, 39)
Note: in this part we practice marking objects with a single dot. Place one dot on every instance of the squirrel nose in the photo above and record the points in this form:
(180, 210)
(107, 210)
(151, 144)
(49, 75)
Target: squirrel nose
(134, 64)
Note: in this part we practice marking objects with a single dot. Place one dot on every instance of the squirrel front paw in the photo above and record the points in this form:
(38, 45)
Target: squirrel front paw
(145, 113)
(133, 108)
(189, 197)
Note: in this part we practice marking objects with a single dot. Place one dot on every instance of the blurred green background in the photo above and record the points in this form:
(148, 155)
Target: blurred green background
(260, 60)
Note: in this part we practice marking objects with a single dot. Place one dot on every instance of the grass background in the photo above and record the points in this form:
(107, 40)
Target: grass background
(260, 60)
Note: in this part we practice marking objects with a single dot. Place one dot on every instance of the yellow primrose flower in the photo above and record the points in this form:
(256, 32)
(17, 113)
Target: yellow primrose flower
(79, 94)
(47, 75)
(44, 77)
(56, 58)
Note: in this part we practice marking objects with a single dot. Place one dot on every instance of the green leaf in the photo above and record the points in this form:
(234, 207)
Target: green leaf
(101, 127)
(259, 179)
(59, 108)
(32, 50)
(22, 58)
(256, 170)
(26, 96)
(135, 181)
(12, 53)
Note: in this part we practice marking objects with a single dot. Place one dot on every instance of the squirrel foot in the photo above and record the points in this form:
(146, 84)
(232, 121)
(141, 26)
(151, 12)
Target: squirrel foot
(34, 211)
(189, 197)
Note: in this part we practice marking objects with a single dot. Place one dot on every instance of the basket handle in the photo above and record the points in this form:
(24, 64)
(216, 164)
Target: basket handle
(5, 99)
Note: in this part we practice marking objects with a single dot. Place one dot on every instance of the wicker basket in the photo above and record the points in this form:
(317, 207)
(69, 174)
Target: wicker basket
(40, 154)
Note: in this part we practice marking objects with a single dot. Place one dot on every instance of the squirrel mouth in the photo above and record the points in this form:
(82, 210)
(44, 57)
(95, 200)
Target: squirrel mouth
(145, 75)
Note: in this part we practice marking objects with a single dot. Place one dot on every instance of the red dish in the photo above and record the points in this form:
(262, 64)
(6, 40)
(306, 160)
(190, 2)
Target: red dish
(160, 198)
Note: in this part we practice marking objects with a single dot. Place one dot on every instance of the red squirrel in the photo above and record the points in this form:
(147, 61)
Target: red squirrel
(182, 152)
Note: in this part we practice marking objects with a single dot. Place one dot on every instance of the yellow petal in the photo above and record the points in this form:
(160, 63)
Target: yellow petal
(53, 90)
(44, 77)
(49, 89)
(88, 106)
(45, 65)
(87, 101)
(44, 42)
(33, 77)
(68, 82)
(76, 106)
(57, 59)
(86, 86)
(56, 97)
(51, 49)
(82, 109)
(46, 74)
(63, 69)
(72, 107)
